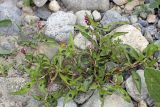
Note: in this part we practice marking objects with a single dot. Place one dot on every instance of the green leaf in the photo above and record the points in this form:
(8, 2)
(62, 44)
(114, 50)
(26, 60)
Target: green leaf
(137, 80)
(24, 89)
(152, 78)
(5, 22)
(70, 95)
(151, 49)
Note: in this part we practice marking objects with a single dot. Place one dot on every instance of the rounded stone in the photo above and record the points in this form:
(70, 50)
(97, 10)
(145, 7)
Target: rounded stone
(96, 15)
(54, 6)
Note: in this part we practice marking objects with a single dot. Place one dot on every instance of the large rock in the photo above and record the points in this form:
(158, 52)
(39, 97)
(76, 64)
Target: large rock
(132, 89)
(114, 100)
(76, 5)
(11, 84)
(112, 16)
(59, 26)
(8, 10)
(134, 37)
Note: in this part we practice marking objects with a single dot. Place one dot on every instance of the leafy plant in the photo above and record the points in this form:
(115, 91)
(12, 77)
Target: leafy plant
(27, 3)
(144, 8)
(5, 22)
(155, 4)
(85, 70)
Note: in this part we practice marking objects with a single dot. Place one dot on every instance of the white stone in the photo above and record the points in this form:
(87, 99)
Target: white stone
(20, 4)
(134, 37)
(81, 17)
(39, 3)
(81, 42)
(54, 6)
(142, 104)
(133, 19)
(96, 15)
(151, 18)
(132, 89)
(120, 2)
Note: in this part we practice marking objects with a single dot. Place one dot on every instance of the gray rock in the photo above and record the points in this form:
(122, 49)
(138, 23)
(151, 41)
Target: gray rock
(133, 19)
(76, 5)
(82, 97)
(144, 23)
(39, 3)
(152, 29)
(158, 25)
(96, 15)
(157, 35)
(143, 15)
(148, 36)
(112, 16)
(114, 100)
(69, 104)
(157, 54)
(59, 26)
(43, 13)
(81, 17)
(8, 85)
(13, 13)
(132, 90)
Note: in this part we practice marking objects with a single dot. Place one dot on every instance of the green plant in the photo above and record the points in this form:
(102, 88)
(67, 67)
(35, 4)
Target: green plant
(27, 3)
(85, 70)
(144, 8)
(155, 4)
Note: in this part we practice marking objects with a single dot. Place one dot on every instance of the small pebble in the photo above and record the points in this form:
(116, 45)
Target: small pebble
(143, 15)
(96, 15)
(20, 4)
(151, 18)
(133, 19)
(54, 6)
(142, 104)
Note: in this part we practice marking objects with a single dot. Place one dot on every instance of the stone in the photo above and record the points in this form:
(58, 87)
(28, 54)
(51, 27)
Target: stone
(157, 35)
(13, 13)
(96, 15)
(39, 3)
(20, 4)
(133, 19)
(82, 97)
(60, 25)
(130, 5)
(114, 100)
(81, 42)
(134, 37)
(68, 104)
(111, 16)
(157, 54)
(43, 13)
(27, 10)
(47, 49)
(152, 29)
(54, 6)
(77, 5)
(120, 2)
(12, 84)
(31, 19)
(148, 36)
(143, 15)
(142, 104)
(144, 23)
(151, 18)
(158, 25)
(132, 90)
(81, 17)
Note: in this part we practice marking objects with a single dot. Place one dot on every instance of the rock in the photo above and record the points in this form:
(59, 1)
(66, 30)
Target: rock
(54, 6)
(151, 18)
(8, 43)
(59, 26)
(120, 2)
(134, 37)
(112, 16)
(133, 19)
(114, 100)
(96, 15)
(77, 5)
(144, 23)
(39, 3)
(157, 54)
(157, 35)
(143, 15)
(81, 42)
(132, 90)
(81, 17)
(43, 13)
(142, 104)
(151, 29)
(149, 102)
(69, 104)
(20, 4)
(31, 19)
(158, 25)
(12, 84)
(12, 13)
(82, 97)
(27, 10)
(130, 5)
(47, 49)
(148, 36)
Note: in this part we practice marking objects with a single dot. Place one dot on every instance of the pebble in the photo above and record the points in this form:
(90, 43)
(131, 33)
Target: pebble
(68, 104)
(144, 23)
(142, 104)
(157, 35)
(39, 3)
(31, 19)
(43, 13)
(27, 10)
(143, 15)
(133, 19)
(54, 6)
(130, 5)
(20, 4)
(120, 2)
(158, 25)
(151, 18)
(148, 36)
(96, 15)
(152, 30)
